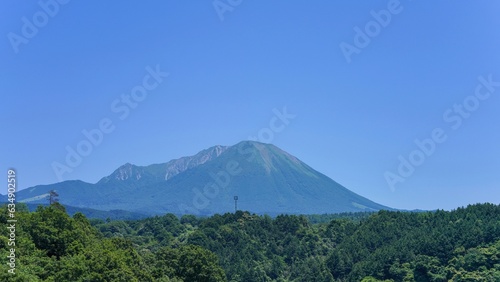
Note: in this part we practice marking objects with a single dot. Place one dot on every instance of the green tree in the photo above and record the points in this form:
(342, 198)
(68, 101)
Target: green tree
(189, 263)
(53, 231)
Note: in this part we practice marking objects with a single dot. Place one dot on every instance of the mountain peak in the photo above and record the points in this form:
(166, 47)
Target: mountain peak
(269, 154)
(125, 172)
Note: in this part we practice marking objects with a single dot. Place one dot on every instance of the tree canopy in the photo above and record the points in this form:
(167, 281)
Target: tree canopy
(460, 245)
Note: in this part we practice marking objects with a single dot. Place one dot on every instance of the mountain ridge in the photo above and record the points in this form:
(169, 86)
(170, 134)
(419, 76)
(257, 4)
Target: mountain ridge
(171, 168)
(266, 178)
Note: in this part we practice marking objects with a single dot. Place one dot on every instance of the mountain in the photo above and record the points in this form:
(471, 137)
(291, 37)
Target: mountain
(265, 178)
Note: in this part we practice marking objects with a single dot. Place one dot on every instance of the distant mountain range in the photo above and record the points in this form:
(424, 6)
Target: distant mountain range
(265, 178)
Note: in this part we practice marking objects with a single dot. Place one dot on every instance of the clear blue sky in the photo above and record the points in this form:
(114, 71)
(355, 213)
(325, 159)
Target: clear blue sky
(228, 71)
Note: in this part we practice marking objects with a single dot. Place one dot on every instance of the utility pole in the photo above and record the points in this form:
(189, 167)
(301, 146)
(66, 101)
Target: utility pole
(235, 204)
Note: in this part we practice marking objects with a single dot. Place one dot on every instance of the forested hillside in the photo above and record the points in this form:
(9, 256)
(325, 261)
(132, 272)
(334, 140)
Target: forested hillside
(461, 245)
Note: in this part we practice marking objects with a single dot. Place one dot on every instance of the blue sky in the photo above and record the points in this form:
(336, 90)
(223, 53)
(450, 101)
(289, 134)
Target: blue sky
(231, 69)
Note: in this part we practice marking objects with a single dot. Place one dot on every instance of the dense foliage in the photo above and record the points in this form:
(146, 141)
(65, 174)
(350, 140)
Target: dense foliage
(461, 245)
(51, 246)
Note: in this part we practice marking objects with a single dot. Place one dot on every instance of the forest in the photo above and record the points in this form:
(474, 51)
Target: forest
(458, 245)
